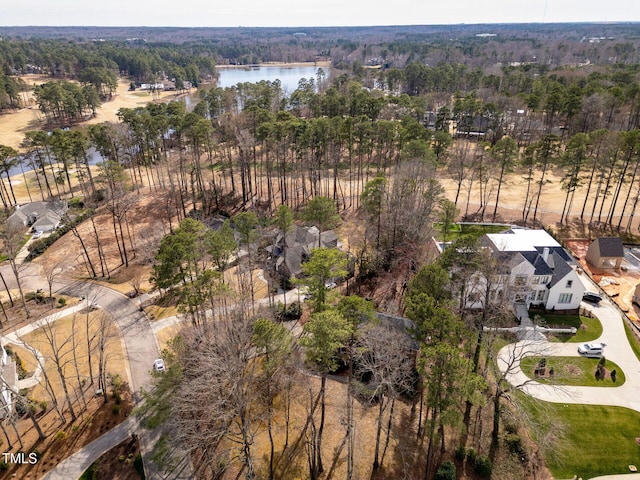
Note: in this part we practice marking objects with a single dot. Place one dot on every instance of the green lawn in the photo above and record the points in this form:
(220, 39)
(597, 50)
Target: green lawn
(576, 371)
(457, 231)
(633, 340)
(588, 329)
(585, 440)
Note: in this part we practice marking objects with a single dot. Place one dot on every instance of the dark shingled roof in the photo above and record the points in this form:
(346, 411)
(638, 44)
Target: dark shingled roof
(610, 247)
(541, 267)
(560, 271)
(562, 253)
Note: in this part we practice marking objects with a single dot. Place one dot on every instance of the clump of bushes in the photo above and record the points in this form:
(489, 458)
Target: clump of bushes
(514, 444)
(483, 466)
(292, 311)
(447, 471)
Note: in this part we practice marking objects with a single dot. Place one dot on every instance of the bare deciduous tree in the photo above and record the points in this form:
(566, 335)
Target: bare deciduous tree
(385, 356)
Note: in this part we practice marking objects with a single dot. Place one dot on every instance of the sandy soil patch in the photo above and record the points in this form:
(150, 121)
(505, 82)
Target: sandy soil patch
(14, 125)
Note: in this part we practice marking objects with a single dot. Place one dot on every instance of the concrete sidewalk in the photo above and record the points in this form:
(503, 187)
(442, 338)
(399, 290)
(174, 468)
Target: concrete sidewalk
(15, 338)
(76, 464)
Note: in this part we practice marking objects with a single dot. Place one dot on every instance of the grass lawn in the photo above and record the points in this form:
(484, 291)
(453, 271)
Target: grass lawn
(457, 231)
(633, 340)
(588, 329)
(585, 440)
(576, 371)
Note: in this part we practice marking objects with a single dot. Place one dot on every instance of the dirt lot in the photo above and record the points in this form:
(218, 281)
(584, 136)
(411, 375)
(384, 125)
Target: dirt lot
(618, 284)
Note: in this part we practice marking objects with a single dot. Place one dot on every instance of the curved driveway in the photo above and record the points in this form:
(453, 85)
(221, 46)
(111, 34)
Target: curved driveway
(617, 350)
(141, 349)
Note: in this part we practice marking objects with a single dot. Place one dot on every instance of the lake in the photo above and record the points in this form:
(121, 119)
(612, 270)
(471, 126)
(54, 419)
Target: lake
(288, 76)
(230, 76)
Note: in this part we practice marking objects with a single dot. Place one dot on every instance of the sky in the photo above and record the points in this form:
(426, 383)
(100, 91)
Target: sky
(284, 13)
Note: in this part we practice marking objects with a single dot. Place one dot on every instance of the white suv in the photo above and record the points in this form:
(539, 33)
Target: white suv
(592, 350)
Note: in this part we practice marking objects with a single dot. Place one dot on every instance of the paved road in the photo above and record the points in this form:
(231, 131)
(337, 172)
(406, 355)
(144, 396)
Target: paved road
(140, 343)
(617, 350)
(141, 349)
(76, 464)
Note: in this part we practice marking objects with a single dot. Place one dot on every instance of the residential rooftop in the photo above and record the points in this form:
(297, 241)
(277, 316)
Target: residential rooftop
(522, 240)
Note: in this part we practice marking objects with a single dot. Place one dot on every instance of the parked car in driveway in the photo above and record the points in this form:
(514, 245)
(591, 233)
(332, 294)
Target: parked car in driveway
(591, 350)
(158, 365)
(37, 234)
(592, 297)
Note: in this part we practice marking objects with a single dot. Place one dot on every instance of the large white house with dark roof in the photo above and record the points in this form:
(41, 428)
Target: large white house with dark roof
(533, 268)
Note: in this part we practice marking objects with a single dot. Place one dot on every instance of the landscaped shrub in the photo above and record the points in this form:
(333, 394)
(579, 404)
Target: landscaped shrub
(483, 466)
(4, 466)
(447, 471)
(293, 311)
(514, 443)
(471, 456)
(61, 436)
(460, 453)
(115, 409)
(62, 302)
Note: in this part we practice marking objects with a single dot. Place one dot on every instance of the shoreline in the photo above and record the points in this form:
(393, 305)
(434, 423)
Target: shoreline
(322, 64)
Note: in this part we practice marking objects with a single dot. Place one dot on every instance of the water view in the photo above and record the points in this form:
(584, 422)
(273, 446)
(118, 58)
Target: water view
(288, 76)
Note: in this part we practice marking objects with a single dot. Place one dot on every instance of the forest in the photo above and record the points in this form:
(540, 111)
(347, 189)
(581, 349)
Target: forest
(411, 129)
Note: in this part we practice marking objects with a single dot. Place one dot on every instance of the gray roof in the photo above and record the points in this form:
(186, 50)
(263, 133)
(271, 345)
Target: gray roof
(542, 268)
(509, 250)
(43, 216)
(560, 271)
(299, 242)
(610, 246)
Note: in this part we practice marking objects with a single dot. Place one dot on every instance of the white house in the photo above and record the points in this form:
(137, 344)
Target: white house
(534, 268)
(8, 382)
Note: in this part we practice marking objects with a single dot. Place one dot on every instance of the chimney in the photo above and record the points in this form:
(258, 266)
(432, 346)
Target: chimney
(545, 255)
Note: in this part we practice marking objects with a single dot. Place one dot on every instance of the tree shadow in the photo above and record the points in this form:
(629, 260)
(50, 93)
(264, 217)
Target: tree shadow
(406, 455)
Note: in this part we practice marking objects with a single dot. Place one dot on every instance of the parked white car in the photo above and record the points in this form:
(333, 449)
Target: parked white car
(37, 234)
(591, 350)
(158, 365)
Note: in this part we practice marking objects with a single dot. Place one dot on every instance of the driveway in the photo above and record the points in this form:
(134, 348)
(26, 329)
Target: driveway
(140, 344)
(141, 349)
(618, 350)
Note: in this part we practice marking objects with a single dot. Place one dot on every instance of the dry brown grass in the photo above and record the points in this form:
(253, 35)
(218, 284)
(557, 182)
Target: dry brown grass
(155, 312)
(62, 330)
(233, 277)
(14, 125)
(167, 334)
